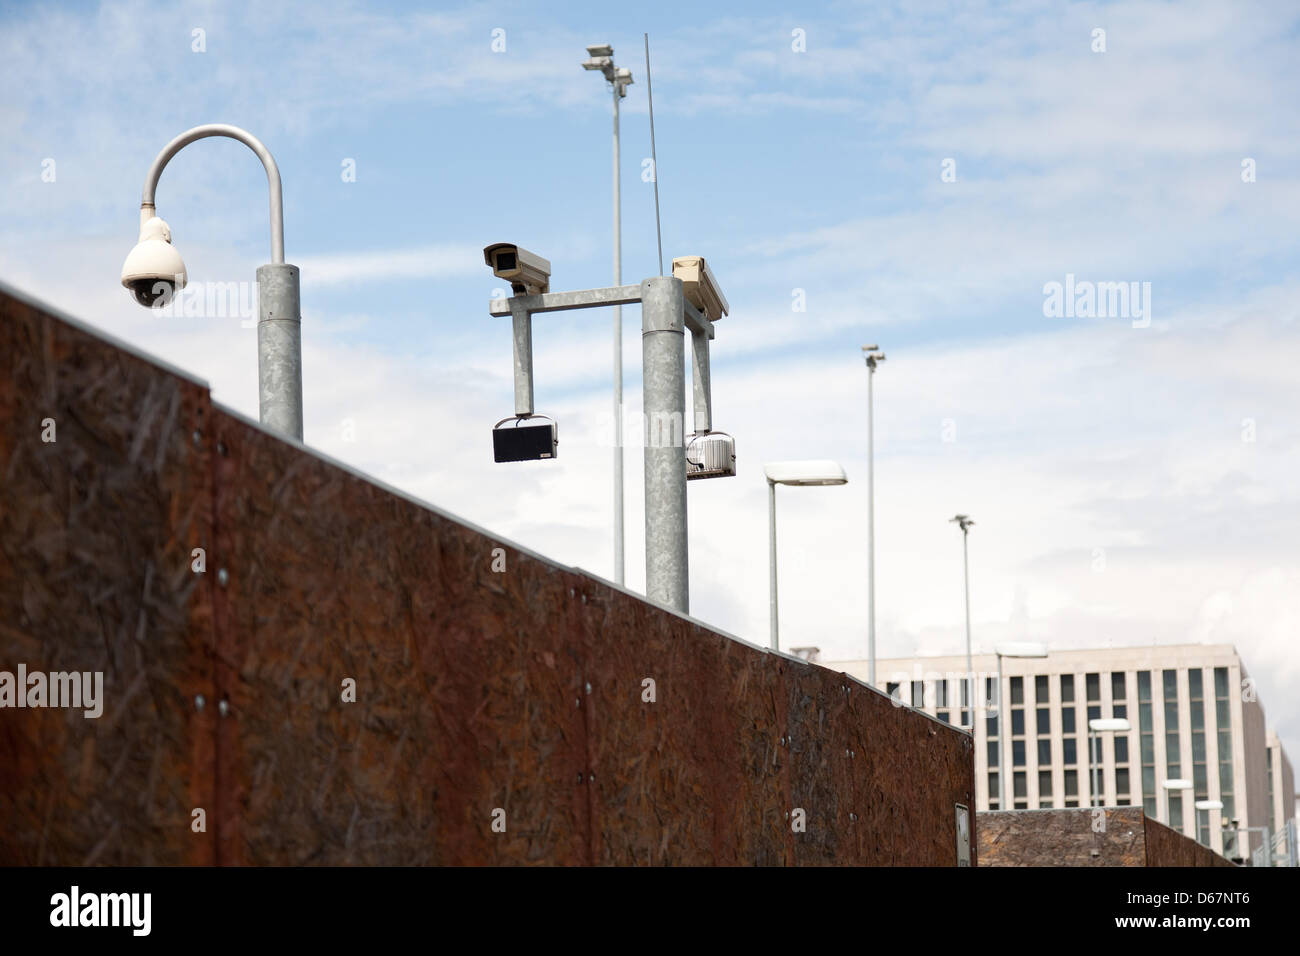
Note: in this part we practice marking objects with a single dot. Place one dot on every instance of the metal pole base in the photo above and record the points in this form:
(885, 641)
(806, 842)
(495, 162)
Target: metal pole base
(279, 349)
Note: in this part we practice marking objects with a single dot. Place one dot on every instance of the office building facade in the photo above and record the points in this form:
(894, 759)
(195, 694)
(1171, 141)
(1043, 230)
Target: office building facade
(1193, 715)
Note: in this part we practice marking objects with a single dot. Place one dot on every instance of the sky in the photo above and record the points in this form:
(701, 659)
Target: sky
(917, 175)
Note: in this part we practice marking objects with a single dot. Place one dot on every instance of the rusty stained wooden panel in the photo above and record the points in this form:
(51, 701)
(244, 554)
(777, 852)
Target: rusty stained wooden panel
(1083, 836)
(688, 777)
(910, 773)
(474, 690)
(737, 740)
(467, 681)
(1086, 836)
(96, 532)
(522, 691)
(1167, 847)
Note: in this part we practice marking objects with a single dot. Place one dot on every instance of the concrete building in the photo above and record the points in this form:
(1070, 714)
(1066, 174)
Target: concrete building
(1281, 784)
(1193, 712)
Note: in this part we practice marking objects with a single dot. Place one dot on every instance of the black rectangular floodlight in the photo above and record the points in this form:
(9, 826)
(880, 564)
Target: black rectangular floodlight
(525, 440)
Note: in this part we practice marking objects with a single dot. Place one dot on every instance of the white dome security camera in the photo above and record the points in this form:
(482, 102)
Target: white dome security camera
(154, 271)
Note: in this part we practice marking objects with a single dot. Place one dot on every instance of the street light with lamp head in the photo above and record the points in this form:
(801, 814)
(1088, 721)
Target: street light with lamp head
(1207, 806)
(873, 357)
(1101, 725)
(1171, 786)
(1016, 649)
(965, 522)
(796, 474)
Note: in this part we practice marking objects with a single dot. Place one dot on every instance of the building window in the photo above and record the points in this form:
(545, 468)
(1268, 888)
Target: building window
(943, 715)
(1067, 688)
(1017, 690)
(1040, 689)
(1093, 683)
(1200, 778)
(1018, 753)
(1173, 766)
(1147, 742)
(1072, 783)
(918, 693)
(941, 693)
(1117, 692)
(990, 690)
(1173, 762)
(991, 727)
(1121, 749)
(1018, 782)
(1122, 786)
(1044, 720)
(992, 750)
(1044, 752)
(1223, 724)
(1045, 784)
(892, 689)
(1018, 720)
(1067, 720)
(993, 790)
(1069, 750)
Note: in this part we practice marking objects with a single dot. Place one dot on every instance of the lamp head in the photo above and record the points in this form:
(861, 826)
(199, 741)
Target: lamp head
(154, 271)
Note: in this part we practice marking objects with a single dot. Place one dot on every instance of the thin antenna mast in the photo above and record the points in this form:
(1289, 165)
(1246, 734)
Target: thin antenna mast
(654, 158)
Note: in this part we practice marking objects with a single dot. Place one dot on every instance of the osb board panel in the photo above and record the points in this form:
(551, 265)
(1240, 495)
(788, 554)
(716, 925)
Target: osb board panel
(522, 690)
(823, 773)
(475, 690)
(695, 775)
(737, 742)
(96, 532)
(910, 772)
(1167, 847)
(467, 680)
(1069, 837)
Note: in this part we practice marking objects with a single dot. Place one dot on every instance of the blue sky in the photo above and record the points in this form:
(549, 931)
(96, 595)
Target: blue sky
(817, 171)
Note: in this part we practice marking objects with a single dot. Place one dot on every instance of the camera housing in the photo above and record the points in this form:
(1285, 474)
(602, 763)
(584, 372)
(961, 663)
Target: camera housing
(153, 271)
(700, 287)
(527, 272)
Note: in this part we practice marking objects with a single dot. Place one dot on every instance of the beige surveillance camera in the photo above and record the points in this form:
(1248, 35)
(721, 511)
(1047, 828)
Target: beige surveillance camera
(154, 271)
(527, 272)
(700, 287)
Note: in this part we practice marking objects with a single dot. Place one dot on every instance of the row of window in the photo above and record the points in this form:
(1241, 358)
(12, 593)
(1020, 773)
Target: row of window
(1125, 776)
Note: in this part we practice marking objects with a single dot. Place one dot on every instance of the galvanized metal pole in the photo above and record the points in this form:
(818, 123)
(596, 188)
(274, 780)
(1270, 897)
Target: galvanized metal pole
(279, 349)
(279, 326)
(1002, 741)
(232, 132)
(771, 574)
(1092, 758)
(618, 357)
(871, 532)
(965, 563)
(663, 358)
